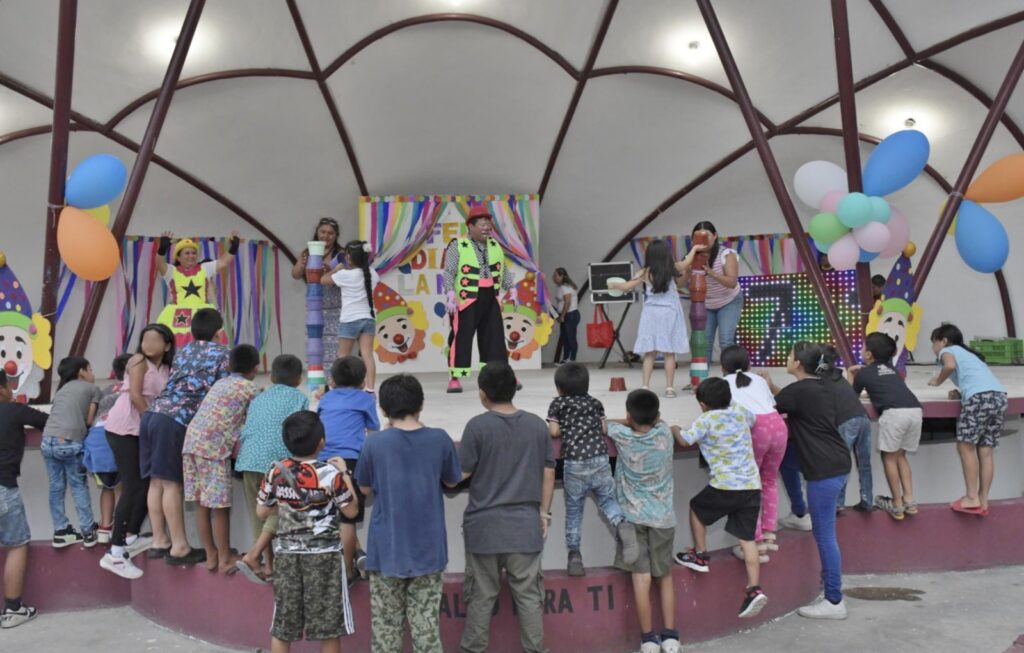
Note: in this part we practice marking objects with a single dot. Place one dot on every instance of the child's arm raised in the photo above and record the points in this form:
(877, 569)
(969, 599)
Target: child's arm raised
(771, 384)
(637, 280)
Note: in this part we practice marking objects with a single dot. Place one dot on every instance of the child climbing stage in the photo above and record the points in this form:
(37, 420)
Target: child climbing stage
(662, 325)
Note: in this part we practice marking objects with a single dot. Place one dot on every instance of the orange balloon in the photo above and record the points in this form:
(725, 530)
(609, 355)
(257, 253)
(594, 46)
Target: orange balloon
(1002, 181)
(87, 247)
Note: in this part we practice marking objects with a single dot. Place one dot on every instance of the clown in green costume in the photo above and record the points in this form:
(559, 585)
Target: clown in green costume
(897, 314)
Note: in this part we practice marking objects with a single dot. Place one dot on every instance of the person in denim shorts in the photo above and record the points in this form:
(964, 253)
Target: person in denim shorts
(14, 532)
(357, 281)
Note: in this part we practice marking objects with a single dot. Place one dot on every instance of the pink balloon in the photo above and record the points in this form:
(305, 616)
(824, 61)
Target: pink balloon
(899, 234)
(872, 237)
(844, 253)
(830, 202)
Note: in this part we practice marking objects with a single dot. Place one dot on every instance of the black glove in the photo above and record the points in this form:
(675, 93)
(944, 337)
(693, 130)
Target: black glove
(165, 246)
(233, 245)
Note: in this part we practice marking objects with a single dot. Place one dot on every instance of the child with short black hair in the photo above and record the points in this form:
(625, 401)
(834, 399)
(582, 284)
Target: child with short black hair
(262, 446)
(899, 420)
(348, 413)
(206, 455)
(644, 487)
(578, 419)
(734, 490)
(855, 427)
(310, 594)
(982, 412)
(73, 410)
(14, 530)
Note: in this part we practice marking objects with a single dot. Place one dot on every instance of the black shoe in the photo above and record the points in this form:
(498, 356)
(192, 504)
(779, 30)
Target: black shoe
(360, 561)
(66, 536)
(89, 539)
(575, 567)
(193, 557)
(695, 560)
(864, 506)
(753, 600)
(155, 554)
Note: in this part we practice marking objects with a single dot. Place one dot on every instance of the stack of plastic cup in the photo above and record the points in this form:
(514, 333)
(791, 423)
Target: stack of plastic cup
(315, 380)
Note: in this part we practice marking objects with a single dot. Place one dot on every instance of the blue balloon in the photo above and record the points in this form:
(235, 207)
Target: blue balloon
(405, 268)
(981, 238)
(439, 309)
(855, 210)
(867, 257)
(896, 162)
(95, 181)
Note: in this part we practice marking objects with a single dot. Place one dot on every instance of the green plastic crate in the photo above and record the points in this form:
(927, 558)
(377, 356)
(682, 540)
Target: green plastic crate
(1000, 351)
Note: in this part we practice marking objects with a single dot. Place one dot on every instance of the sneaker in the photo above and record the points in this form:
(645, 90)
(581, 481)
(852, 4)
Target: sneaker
(671, 645)
(864, 506)
(650, 647)
(103, 534)
(824, 610)
(89, 539)
(695, 560)
(121, 566)
(141, 543)
(454, 387)
(738, 552)
(575, 566)
(352, 578)
(769, 542)
(886, 504)
(630, 547)
(360, 561)
(795, 523)
(753, 600)
(66, 536)
(12, 618)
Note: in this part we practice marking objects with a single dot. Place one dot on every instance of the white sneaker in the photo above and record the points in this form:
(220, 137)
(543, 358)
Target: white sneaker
(12, 618)
(738, 552)
(796, 523)
(138, 546)
(671, 646)
(650, 647)
(824, 610)
(123, 567)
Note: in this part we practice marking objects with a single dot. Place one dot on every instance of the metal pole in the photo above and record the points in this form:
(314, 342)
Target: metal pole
(851, 145)
(995, 113)
(771, 168)
(138, 174)
(66, 23)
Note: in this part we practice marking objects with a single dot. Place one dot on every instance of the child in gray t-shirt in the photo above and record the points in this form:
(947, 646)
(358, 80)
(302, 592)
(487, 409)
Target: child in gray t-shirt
(74, 408)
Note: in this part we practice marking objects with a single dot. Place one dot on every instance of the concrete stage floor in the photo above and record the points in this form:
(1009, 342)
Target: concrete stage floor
(956, 611)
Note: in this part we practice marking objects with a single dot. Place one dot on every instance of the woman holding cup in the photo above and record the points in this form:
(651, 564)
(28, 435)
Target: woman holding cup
(327, 232)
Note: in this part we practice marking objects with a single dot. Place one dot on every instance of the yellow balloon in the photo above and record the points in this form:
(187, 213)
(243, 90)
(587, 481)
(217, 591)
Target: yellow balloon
(100, 213)
(909, 249)
(437, 339)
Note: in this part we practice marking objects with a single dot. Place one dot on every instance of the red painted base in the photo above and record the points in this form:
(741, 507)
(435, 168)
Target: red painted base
(593, 613)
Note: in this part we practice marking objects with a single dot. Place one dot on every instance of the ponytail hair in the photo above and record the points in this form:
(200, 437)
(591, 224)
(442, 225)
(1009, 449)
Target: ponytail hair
(952, 335)
(735, 359)
(358, 253)
(809, 356)
(69, 369)
(828, 365)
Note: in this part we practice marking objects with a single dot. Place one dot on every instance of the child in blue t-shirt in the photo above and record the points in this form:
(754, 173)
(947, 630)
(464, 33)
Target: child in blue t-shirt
(348, 412)
(982, 411)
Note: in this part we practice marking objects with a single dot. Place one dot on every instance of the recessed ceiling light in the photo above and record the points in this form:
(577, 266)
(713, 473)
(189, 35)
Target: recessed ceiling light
(682, 46)
(160, 40)
(922, 117)
(909, 122)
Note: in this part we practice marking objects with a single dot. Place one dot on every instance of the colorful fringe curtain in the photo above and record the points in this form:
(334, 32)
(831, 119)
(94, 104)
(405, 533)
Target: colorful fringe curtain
(759, 254)
(398, 225)
(248, 292)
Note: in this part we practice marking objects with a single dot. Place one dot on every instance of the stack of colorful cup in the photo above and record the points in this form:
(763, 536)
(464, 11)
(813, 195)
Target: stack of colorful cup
(315, 380)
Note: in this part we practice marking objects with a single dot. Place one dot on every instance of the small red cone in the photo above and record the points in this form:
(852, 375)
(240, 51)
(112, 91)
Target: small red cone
(618, 384)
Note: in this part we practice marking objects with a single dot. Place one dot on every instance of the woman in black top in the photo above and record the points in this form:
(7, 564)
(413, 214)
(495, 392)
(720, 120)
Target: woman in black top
(809, 405)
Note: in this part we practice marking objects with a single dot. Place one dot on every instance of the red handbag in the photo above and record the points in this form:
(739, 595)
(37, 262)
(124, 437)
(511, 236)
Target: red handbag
(600, 332)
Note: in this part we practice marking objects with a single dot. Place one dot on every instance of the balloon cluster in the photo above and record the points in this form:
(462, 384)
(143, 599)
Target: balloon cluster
(860, 227)
(83, 237)
(981, 238)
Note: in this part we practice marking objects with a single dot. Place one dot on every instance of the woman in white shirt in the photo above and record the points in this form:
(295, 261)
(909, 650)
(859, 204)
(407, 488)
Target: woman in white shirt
(356, 279)
(566, 294)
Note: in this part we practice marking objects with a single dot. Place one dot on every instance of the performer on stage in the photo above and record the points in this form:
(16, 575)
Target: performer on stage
(724, 298)
(473, 268)
(327, 231)
(189, 281)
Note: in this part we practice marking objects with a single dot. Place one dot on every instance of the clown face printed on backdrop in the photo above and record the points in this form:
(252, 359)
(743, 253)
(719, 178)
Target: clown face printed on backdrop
(897, 314)
(527, 328)
(401, 326)
(24, 337)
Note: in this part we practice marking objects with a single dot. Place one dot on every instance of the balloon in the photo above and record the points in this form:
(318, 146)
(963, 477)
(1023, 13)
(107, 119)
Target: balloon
(899, 233)
(825, 228)
(910, 249)
(101, 214)
(814, 179)
(830, 202)
(872, 237)
(896, 162)
(844, 253)
(95, 181)
(879, 209)
(87, 247)
(981, 239)
(1000, 182)
(866, 256)
(820, 246)
(854, 210)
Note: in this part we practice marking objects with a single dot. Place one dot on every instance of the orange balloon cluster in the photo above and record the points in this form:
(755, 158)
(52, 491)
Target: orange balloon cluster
(87, 246)
(1003, 181)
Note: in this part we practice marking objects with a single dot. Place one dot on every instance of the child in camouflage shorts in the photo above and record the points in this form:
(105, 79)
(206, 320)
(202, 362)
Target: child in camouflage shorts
(310, 592)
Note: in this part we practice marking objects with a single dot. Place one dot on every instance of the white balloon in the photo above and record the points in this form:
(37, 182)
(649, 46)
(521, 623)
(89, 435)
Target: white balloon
(899, 234)
(844, 253)
(816, 178)
(872, 237)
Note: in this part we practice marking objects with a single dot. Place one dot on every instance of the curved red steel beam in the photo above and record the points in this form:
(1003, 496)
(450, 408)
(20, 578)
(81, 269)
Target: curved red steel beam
(377, 35)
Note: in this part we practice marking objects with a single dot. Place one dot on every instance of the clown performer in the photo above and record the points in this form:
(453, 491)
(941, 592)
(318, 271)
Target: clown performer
(24, 338)
(472, 268)
(190, 282)
(897, 313)
(527, 326)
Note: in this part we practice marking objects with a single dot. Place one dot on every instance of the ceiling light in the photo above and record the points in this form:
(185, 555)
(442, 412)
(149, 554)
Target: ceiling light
(684, 47)
(160, 40)
(922, 117)
(909, 122)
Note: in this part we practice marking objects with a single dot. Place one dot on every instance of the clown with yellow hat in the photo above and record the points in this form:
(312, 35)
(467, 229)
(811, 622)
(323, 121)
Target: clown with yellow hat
(189, 281)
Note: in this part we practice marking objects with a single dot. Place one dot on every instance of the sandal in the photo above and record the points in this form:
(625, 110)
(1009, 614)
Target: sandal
(976, 510)
(670, 393)
(886, 504)
(910, 508)
(249, 573)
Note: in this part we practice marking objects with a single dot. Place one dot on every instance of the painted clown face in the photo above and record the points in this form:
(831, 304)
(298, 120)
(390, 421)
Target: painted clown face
(894, 325)
(518, 331)
(16, 356)
(396, 334)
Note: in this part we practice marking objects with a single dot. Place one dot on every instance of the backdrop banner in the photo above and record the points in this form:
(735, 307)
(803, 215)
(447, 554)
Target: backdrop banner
(408, 235)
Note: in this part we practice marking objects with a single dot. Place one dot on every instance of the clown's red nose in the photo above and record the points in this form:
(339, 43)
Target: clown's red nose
(399, 339)
(10, 367)
(514, 336)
